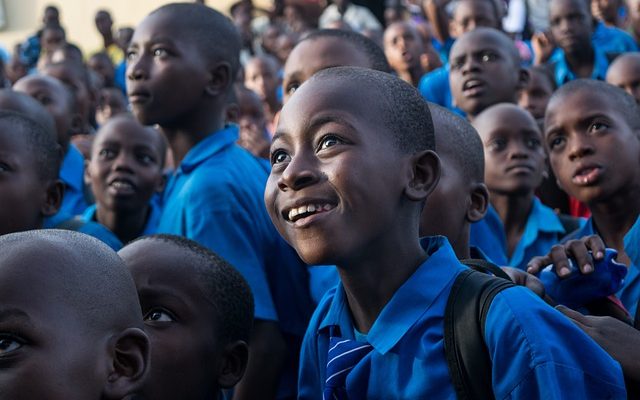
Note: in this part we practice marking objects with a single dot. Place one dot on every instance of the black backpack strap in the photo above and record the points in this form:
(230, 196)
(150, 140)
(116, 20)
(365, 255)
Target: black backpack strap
(485, 266)
(464, 322)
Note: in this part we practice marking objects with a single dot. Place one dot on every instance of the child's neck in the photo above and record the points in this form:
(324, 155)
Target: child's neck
(411, 75)
(108, 40)
(582, 62)
(126, 226)
(372, 277)
(514, 212)
(613, 219)
(192, 128)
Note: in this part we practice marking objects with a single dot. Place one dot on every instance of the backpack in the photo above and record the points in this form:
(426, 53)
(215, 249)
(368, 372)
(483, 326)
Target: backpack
(465, 315)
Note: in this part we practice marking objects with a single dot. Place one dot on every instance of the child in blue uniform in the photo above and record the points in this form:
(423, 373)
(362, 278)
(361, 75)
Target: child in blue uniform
(334, 197)
(176, 79)
(518, 226)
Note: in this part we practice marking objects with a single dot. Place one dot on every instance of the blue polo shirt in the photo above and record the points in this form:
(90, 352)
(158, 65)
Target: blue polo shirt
(563, 74)
(434, 87)
(537, 353)
(542, 231)
(75, 223)
(215, 197)
(629, 293)
(152, 220)
(72, 175)
(612, 40)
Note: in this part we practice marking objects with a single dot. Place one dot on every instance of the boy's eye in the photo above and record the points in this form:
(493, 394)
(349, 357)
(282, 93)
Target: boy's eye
(4, 167)
(278, 157)
(597, 127)
(158, 315)
(457, 63)
(488, 56)
(160, 52)
(145, 159)
(8, 344)
(291, 88)
(107, 154)
(555, 142)
(329, 141)
(533, 143)
(497, 145)
(131, 55)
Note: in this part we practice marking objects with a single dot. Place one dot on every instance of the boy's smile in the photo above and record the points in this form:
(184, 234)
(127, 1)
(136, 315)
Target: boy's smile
(334, 177)
(593, 151)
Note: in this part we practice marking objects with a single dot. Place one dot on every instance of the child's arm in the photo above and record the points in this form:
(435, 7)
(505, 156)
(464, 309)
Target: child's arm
(437, 15)
(267, 354)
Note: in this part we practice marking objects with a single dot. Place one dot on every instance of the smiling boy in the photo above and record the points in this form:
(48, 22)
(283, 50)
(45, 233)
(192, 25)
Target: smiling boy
(334, 197)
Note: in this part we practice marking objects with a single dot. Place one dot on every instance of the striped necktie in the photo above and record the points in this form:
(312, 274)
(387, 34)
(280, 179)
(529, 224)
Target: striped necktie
(343, 355)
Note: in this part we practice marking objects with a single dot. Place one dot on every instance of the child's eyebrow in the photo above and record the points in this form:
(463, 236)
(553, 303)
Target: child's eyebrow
(13, 314)
(321, 120)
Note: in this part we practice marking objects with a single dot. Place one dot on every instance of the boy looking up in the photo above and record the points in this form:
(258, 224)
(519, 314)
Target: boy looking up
(197, 311)
(125, 172)
(330, 174)
(485, 70)
(177, 80)
(592, 134)
(71, 325)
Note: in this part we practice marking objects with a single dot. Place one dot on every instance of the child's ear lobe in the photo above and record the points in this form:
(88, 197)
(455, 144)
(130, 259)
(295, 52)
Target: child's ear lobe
(53, 198)
(425, 174)
(479, 203)
(219, 80)
(523, 78)
(234, 362)
(129, 351)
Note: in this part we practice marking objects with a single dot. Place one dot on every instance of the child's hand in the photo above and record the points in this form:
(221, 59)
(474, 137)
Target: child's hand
(576, 249)
(620, 340)
(543, 47)
(531, 282)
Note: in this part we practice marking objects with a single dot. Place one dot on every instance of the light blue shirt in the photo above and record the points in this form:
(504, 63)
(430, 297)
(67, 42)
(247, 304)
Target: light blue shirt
(563, 74)
(215, 197)
(536, 352)
(629, 293)
(72, 175)
(542, 231)
(612, 40)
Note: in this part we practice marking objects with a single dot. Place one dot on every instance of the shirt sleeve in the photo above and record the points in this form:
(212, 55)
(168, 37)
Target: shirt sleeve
(537, 353)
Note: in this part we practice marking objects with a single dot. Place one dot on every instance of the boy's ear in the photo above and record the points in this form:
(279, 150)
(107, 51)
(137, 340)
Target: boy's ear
(479, 203)
(129, 351)
(523, 78)
(233, 364)
(425, 174)
(53, 198)
(219, 79)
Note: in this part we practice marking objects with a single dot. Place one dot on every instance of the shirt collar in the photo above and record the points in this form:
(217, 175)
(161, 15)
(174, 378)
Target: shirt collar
(408, 304)
(209, 146)
(544, 218)
(563, 73)
(72, 168)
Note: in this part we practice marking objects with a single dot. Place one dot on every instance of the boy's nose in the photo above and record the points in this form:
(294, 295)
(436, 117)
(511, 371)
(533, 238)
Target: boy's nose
(135, 70)
(580, 147)
(297, 175)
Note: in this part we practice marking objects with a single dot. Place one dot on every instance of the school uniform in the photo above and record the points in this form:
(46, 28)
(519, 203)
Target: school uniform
(563, 74)
(536, 352)
(542, 230)
(612, 40)
(629, 293)
(67, 221)
(89, 215)
(72, 175)
(434, 87)
(215, 197)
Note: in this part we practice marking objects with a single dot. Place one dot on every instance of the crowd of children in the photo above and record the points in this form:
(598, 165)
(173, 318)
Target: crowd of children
(288, 203)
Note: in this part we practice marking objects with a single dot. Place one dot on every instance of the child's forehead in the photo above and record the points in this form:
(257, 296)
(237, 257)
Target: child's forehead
(476, 41)
(562, 7)
(505, 118)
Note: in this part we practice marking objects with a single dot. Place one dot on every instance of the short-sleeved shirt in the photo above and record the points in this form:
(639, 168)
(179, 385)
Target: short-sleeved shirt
(215, 197)
(629, 293)
(612, 40)
(562, 73)
(434, 87)
(536, 352)
(542, 231)
(152, 219)
(72, 175)
(76, 223)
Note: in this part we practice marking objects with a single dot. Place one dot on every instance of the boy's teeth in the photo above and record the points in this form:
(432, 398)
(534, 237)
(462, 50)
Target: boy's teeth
(311, 208)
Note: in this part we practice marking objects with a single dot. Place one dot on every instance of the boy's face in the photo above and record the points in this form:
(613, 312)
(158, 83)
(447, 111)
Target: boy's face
(514, 155)
(261, 77)
(45, 350)
(125, 169)
(571, 25)
(166, 73)
(625, 74)
(311, 56)
(482, 73)
(22, 191)
(593, 151)
(73, 77)
(55, 98)
(251, 116)
(52, 38)
(606, 10)
(402, 47)
(111, 102)
(330, 173)
(103, 67)
(535, 96)
(179, 320)
(469, 15)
